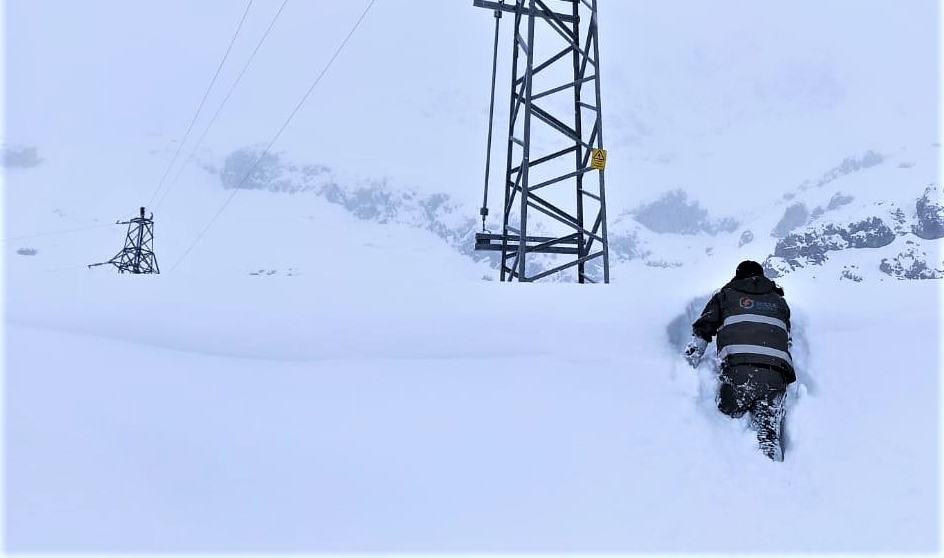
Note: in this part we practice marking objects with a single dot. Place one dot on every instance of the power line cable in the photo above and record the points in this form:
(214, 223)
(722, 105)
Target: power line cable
(189, 128)
(223, 104)
(202, 102)
(65, 268)
(298, 107)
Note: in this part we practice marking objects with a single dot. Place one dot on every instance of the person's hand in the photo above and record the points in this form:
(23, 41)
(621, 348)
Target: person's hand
(694, 350)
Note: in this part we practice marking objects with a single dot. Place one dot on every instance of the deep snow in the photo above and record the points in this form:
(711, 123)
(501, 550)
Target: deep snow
(373, 393)
(183, 413)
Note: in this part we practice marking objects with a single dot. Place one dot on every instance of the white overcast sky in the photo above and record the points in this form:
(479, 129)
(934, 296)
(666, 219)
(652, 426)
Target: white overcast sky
(408, 97)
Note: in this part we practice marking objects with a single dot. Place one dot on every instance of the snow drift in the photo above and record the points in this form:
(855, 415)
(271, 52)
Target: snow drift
(264, 414)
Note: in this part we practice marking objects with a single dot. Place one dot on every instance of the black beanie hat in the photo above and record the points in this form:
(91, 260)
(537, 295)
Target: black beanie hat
(748, 268)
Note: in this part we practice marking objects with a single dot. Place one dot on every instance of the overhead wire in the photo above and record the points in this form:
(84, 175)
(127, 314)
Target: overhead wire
(278, 134)
(202, 103)
(223, 104)
(192, 121)
(65, 268)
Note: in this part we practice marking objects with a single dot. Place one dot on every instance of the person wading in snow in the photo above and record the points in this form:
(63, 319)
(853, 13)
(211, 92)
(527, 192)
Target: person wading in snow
(752, 322)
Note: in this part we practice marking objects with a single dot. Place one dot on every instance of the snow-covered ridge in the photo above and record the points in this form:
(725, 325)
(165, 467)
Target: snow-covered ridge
(318, 414)
(674, 213)
(368, 199)
(382, 201)
(672, 230)
(920, 226)
(849, 165)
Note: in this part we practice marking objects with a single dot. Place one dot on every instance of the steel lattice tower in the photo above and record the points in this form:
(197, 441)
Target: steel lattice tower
(565, 117)
(138, 254)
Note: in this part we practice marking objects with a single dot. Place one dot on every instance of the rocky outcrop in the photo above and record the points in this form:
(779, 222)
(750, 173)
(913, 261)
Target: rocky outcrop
(674, 213)
(378, 201)
(793, 218)
(250, 168)
(746, 238)
(625, 246)
(930, 215)
(803, 238)
(798, 250)
(912, 263)
(813, 245)
(850, 273)
(838, 200)
(18, 156)
(848, 165)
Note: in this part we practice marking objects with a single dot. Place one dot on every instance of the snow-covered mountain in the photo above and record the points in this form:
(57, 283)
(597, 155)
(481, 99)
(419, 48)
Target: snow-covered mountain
(326, 365)
(877, 210)
(329, 372)
(873, 204)
(768, 122)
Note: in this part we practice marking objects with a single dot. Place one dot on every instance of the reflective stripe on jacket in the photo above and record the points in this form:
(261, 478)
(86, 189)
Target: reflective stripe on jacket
(752, 324)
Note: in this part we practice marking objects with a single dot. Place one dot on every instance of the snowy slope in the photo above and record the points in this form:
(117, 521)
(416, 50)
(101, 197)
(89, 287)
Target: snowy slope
(758, 105)
(329, 368)
(893, 202)
(373, 393)
(307, 414)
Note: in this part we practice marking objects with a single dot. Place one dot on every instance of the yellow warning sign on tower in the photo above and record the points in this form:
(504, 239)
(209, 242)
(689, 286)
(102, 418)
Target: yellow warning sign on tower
(598, 159)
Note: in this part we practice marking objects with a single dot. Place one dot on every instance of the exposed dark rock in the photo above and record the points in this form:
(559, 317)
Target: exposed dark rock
(674, 213)
(725, 224)
(249, 169)
(625, 247)
(27, 251)
(775, 266)
(850, 272)
(793, 218)
(912, 263)
(746, 238)
(850, 165)
(847, 166)
(378, 202)
(811, 247)
(838, 200)
(930, 213)
(869, 233)
(663, 264)
(899, 217)
(373, 202)
(18, 156)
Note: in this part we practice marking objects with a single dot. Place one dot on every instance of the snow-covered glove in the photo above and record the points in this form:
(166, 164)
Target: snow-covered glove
(694, 350)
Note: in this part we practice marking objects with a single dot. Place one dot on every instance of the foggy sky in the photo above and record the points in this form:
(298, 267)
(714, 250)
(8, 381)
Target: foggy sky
(687, 85)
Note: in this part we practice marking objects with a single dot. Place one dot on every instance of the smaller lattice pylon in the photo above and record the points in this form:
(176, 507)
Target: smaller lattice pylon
(138, 254)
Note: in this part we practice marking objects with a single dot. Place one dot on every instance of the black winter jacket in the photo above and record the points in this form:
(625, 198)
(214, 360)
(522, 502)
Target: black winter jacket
(752, 322)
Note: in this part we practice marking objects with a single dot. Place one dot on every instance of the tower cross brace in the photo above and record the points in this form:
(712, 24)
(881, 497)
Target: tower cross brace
(576, 126)
(137, 256)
